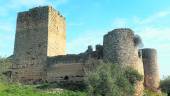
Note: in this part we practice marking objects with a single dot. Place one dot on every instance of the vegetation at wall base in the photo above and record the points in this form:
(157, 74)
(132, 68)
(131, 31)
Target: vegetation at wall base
(111, 80)
(5, 64)
(165, 85)
(73, 86)
(148, 92)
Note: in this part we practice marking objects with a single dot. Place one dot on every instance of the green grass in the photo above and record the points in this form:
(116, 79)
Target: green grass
(7, 89)
(28, 90)
(151, 93)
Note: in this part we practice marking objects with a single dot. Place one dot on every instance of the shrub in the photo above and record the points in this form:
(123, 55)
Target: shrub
(5, 64)
(111, 80)
(132, 75)
(165, 85)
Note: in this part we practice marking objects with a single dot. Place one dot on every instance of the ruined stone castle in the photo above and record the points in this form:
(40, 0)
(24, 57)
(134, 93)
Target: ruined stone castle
(40, 43)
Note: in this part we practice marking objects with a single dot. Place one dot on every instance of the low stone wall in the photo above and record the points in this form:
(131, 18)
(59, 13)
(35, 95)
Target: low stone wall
(72, 72)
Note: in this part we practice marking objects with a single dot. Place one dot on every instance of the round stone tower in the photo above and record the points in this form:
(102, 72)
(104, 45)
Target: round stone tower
(119, 48)
(151, 69)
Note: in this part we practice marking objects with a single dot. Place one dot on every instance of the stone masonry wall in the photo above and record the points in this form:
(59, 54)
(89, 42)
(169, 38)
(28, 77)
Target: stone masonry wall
(40, 33)
(119, 48)
(56, 33)
(151, 70)
(72, 72)
(30, 45)
(65, 59)
(71, 67)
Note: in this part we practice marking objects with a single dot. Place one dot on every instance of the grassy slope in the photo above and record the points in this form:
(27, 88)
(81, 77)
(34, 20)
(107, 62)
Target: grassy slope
(25, 90)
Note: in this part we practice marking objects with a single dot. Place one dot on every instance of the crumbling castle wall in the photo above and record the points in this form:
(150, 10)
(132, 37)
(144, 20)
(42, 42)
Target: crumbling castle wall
(40, 43)
(151, 69)
(69, 68)
(72, 72)
(119, 48)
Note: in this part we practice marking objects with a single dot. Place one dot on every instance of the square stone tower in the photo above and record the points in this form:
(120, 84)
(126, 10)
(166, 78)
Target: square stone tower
(40, 32)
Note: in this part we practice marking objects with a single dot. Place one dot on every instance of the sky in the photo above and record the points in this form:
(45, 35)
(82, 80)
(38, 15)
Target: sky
(88, 20)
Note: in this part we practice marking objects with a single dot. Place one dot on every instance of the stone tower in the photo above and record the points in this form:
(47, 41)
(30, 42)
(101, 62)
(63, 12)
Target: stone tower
(151, 71)
(40, 32)
(119, 48)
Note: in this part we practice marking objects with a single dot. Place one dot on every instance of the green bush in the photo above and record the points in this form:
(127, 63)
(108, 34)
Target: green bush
(111, 80)
(132, 75)
(5, 64)
(165, 85)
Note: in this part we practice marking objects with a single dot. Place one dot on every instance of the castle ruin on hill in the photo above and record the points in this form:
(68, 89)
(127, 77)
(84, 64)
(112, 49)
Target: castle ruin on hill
(40, 43)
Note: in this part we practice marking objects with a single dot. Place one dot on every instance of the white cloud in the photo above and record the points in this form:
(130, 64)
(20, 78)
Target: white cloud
(119, 22)
(152, 18)
(155, 32)
(136, 21)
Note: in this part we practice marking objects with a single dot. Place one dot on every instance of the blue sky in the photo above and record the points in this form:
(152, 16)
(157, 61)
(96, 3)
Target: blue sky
(88, 20)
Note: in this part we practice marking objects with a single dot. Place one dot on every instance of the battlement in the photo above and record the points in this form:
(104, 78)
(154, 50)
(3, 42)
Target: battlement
(121, 30)
(40, 8)
(45, 8)
(54, 10)
(39, 12)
